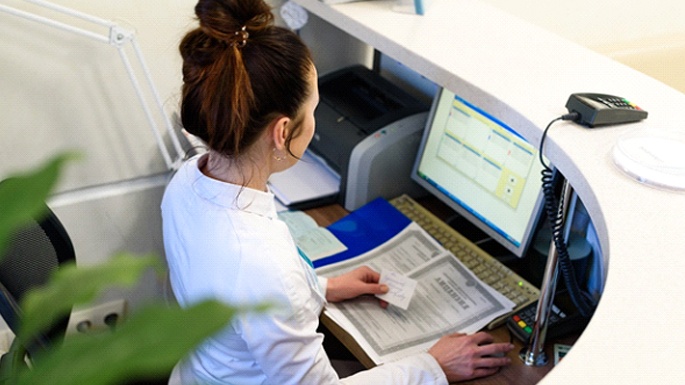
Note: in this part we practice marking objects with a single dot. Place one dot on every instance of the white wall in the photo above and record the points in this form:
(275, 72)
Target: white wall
(333, 48)
(62, 91)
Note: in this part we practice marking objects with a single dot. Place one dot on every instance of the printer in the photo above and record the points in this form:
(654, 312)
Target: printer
(368, 131)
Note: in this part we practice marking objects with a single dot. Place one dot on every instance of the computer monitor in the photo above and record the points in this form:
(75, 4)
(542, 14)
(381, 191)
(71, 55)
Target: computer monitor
(481, 168)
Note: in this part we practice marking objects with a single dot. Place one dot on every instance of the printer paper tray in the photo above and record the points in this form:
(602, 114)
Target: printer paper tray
(309, 183)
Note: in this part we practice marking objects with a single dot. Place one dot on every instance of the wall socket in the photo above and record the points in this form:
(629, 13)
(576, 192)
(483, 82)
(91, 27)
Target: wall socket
(6, 338)
(97, 318)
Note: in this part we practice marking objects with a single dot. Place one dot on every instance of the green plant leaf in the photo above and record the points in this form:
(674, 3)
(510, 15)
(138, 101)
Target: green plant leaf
(71, 286)
(148, 344)
(23, 195)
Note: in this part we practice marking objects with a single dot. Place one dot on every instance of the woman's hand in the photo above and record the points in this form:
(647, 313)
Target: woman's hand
(464, 357)
(359, 281)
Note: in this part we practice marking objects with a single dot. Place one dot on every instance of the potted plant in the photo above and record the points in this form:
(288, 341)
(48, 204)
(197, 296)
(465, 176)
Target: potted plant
(147, 345)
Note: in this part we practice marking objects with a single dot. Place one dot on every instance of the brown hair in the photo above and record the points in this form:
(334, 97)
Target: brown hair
(236, 83)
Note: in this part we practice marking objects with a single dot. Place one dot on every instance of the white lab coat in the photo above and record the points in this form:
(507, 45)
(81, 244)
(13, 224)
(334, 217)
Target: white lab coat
(225, 242)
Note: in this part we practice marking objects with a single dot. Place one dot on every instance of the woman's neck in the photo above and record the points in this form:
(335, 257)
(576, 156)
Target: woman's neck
(243, 172)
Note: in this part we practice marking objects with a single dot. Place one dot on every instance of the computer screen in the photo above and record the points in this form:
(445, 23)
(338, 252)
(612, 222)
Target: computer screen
(481, 168)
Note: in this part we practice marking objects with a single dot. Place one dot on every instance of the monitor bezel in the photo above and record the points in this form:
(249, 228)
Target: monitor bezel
(529, 233)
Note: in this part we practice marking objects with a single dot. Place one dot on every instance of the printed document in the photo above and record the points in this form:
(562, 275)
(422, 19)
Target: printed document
(314, 241)
(447, 299)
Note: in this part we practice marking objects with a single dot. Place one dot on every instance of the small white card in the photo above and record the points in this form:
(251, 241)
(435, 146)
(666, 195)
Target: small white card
(400, 289)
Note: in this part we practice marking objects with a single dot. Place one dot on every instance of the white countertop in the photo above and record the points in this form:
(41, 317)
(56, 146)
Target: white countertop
(524, 75)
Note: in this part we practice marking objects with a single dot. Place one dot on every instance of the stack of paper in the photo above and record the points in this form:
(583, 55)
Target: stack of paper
(446, 297)
(308, 183)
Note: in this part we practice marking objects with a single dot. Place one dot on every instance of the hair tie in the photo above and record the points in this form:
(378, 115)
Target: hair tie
(244, 34)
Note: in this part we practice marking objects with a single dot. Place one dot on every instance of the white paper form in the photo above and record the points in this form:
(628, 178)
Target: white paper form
(314, 241)
(448, 299)
(409, 249)
(309, 179)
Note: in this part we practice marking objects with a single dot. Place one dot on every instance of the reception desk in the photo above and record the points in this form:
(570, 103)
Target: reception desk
(524, 75)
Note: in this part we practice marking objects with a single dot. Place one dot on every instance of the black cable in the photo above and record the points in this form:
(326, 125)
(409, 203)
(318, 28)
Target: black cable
(583, 300)
(570, 116)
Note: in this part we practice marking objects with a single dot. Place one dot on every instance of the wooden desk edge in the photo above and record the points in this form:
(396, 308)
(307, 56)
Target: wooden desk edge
(347, 340)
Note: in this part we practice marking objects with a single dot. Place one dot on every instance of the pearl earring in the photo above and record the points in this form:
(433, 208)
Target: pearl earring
(278, 158)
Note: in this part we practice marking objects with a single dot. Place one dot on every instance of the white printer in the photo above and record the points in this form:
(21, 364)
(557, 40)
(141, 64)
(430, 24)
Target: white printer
(368, 131)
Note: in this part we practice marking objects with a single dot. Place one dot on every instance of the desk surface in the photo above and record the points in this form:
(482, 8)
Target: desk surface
(524, 74)
(517, 373)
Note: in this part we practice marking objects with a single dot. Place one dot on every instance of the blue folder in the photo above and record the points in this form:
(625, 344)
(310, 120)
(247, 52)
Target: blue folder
(365, 229)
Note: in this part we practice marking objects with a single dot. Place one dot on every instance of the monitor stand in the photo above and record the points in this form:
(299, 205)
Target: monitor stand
(477, 236)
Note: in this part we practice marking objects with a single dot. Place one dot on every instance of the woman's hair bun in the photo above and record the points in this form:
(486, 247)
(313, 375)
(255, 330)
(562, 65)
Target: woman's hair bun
(239, 71)
(221, 19)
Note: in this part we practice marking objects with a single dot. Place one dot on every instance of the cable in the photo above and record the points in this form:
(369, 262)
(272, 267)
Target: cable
(583, 300)
(570, 116)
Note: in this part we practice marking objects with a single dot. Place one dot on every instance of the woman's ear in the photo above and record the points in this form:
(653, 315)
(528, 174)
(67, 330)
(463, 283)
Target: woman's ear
(280, 131)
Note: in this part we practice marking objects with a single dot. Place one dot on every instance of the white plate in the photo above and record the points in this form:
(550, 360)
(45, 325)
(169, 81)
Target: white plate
(654, 159)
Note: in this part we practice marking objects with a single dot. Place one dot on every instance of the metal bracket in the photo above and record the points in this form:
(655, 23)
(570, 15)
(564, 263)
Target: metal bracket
(118, 37)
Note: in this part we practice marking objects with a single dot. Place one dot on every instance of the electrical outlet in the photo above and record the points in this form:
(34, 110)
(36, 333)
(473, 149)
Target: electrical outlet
(97, 318)
(6, 338)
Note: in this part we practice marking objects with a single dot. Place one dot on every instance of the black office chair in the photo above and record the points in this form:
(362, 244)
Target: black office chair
(34, 252)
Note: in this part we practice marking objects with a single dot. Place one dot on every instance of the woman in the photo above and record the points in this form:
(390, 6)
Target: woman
(250, 91)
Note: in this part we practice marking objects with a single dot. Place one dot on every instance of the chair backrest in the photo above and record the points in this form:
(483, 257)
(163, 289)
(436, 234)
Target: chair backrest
(35, 252)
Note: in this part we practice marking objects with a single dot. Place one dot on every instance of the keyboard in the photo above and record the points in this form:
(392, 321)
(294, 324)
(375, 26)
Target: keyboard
(483, 265)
